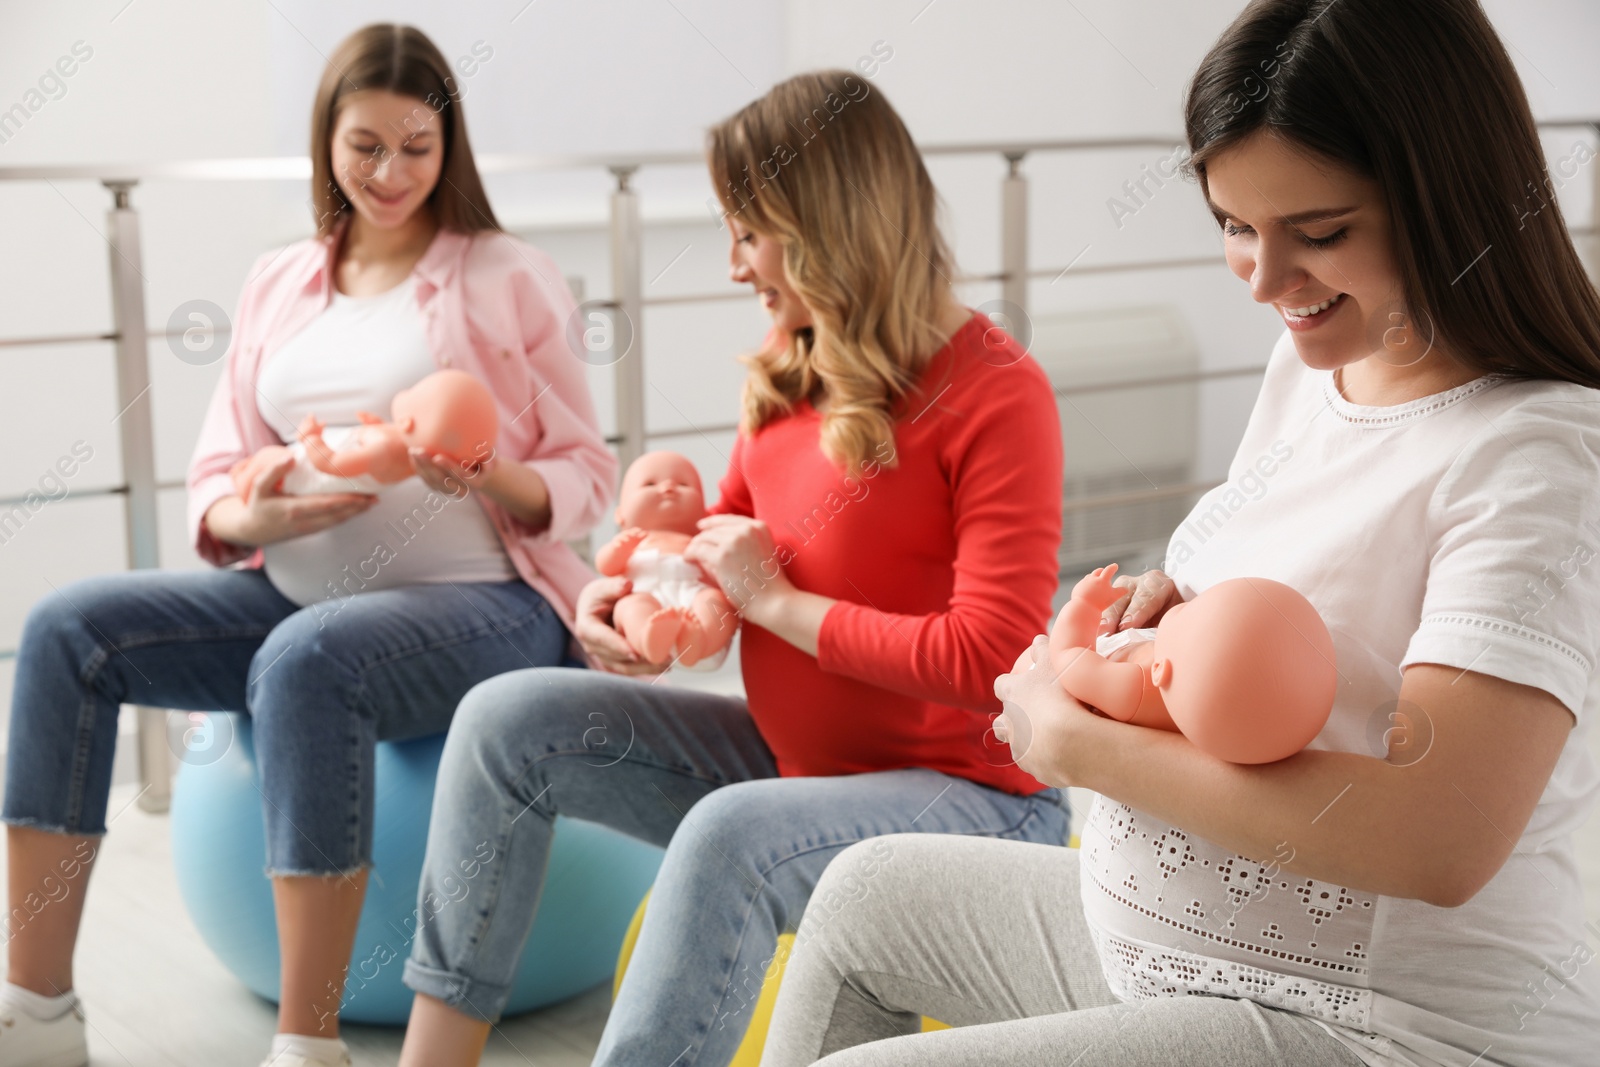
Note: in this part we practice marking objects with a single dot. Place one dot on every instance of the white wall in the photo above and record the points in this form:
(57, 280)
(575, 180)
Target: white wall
(174, 79)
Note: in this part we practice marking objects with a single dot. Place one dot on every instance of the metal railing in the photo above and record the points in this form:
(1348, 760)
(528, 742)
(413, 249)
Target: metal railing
(130, 334)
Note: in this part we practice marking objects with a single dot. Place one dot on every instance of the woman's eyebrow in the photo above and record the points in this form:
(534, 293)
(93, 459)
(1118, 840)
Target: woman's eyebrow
(424, 132)
(1299, 218)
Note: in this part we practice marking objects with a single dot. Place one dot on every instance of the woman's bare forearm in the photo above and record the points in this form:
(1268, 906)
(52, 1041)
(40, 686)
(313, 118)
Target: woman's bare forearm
(519, 489)
(1431, 823)
(1332, 812)
(223, 520)
(792, 614)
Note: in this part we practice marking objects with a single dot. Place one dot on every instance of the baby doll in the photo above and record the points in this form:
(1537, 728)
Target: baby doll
(1245, 670)
(448, 412)
(672, 610)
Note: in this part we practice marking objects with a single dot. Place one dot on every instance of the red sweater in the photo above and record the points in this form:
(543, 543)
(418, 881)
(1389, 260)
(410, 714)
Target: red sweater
(943, 567)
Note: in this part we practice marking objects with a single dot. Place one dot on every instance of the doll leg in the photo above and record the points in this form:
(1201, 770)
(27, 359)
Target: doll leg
(246, 471)
(711, 625)
(651, 629)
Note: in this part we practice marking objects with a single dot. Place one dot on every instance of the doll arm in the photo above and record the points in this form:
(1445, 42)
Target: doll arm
(612, 559)
(1079, 620)
(317, 451)
(375, 450)
(1123, 690)
(1116, 689)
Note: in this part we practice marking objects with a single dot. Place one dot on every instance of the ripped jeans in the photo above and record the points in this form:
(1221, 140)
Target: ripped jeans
(680, 768)
(322, 685)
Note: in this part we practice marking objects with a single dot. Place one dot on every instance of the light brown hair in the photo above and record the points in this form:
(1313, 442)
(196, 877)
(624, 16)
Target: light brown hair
(823, 164)
(402, 60)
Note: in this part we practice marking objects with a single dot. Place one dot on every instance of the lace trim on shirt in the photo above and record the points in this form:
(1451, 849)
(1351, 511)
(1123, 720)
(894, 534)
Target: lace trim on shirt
(1146, 971)
(1499, 626)
(1356, 414)
(1356, 952)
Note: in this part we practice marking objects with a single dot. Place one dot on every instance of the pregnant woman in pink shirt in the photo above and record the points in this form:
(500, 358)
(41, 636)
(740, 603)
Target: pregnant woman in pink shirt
(356, 618)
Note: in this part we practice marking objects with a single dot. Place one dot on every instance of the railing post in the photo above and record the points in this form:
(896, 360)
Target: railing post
(627, 295)
(136, 433)
(1014, 234)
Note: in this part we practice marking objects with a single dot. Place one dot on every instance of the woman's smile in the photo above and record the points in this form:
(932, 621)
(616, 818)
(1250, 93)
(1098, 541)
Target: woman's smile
(386, 199)
(1310, 316)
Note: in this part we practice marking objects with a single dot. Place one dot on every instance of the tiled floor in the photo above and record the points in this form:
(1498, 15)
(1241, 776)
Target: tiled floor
(156, 997)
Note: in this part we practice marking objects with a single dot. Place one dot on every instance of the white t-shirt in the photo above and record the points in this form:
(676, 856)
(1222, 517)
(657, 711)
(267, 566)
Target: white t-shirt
(1459, 529)
(356, 356)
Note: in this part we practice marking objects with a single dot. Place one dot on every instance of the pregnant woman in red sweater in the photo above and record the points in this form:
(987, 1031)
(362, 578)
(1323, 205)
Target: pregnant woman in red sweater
(888, 528)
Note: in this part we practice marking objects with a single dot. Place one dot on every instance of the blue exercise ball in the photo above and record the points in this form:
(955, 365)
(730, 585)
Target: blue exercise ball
(592, 886)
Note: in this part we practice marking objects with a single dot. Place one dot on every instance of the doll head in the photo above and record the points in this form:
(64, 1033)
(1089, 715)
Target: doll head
(450, 412)
(661, 491)
(1246, 670)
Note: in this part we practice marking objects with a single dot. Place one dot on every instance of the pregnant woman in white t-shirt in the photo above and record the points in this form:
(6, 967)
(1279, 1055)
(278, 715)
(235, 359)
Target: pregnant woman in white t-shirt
(355, 357)
(356, 618)
(1423, 463)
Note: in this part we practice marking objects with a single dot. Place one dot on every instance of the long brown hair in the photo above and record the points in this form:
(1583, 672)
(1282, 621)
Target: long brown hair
(824, 165)
(1420, 96)
(402, 60)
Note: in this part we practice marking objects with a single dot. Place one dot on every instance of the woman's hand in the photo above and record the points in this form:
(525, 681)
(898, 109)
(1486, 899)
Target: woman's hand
(594, 630)
(1147, 598)
(1042, 723)
(516, 487)
(739, 555)
(444, 475)
(272, 516)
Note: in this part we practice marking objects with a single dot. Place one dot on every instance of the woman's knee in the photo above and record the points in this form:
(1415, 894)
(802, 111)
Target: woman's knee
(295, 674)
(506, 723)
(767, 826)
(548, 702)
(83, 609)
(741, 821)
(864, 880)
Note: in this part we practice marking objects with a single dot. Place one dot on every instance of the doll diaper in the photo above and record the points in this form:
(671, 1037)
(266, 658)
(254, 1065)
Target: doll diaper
(670, 578)
(1111, 645)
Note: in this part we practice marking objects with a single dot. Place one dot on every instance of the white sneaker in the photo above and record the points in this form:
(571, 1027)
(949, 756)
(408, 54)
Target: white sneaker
(29, 1042)
(289, 1059)
(293, 1058)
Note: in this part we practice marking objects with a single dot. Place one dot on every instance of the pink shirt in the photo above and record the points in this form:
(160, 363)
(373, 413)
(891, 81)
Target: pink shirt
(491, 305)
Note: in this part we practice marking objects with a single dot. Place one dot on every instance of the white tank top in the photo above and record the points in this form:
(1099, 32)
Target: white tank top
(353, 357)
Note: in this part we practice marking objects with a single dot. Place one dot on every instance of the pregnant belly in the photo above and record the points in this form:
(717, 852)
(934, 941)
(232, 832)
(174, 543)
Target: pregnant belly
(411, 535)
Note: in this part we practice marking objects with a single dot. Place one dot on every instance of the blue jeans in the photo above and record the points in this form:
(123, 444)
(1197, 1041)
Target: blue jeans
(322, 684)
(683, 769)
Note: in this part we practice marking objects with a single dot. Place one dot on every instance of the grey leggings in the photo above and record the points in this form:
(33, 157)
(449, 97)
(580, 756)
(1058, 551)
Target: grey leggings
(989, 937)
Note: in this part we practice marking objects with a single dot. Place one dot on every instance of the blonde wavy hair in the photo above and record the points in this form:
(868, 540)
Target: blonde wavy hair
(823, 164)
